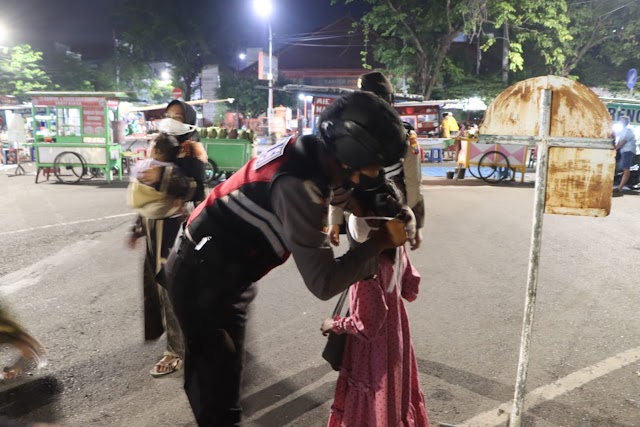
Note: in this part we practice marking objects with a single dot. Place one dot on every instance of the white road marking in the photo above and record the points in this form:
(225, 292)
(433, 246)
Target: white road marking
(499, 415)
(32, 275)
(63, 224)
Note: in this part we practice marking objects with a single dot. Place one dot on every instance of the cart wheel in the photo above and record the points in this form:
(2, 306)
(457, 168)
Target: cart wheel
(91, 173)
(211, 171)
(69, 167)
(494, 167)
(473, 174)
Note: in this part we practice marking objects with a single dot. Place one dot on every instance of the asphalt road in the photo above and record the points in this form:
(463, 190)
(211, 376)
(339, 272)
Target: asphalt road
(67, 275)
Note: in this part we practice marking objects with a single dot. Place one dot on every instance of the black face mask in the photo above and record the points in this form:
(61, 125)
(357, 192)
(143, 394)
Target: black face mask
(371, 184)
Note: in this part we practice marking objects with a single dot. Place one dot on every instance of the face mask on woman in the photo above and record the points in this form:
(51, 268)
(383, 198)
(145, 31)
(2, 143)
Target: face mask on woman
(174, 127)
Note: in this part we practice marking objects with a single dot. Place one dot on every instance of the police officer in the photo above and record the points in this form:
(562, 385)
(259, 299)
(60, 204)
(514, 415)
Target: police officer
(274, 206)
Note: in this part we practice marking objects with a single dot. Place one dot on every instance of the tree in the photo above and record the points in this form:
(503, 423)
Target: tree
(160, 31)
(412, 38)
(69, 72)
(611, 27)
(21, 71)
(249, 99)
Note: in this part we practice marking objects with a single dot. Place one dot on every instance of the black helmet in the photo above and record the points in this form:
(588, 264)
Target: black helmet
(363, 130)
(377, 83)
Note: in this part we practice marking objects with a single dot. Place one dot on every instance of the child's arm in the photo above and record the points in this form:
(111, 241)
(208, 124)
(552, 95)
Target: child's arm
(410, 279)
(368, 311)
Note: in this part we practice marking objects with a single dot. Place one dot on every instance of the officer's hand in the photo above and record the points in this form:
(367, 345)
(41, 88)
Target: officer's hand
(417, 240)
(334, 234)
(327, 326)
(390, 236)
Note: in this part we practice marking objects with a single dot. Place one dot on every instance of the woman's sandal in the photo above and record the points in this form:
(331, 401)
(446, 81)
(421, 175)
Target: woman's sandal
(174, 363)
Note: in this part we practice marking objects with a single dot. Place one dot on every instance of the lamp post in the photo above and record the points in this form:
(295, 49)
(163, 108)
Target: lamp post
(264, 9)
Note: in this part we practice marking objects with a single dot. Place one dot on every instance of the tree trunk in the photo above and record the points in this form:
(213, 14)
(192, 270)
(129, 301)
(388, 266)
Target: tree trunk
(505, 55)
(478, 56)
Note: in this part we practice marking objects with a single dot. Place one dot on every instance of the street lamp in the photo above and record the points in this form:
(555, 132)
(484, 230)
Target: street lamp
(264, 8)
(242, 56)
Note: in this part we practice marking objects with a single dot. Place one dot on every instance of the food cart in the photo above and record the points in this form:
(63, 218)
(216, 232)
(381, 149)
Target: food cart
(73, 136)
(226, 155)
(492, 162)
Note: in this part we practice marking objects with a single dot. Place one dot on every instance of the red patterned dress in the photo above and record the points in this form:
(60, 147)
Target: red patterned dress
(378, 383)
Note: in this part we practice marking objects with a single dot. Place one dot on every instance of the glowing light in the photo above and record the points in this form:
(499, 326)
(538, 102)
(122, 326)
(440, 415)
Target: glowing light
(263, 8)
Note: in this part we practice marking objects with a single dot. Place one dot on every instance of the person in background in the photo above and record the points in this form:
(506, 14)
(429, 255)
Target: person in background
(378, 383)
(449, 126)
(626, 146)
(180, 121)
(273, 207)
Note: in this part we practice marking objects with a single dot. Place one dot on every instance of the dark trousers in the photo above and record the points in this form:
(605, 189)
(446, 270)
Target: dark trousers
(211, 300)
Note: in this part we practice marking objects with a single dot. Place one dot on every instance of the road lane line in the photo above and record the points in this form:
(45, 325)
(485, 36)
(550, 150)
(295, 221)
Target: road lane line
(32, 274)
(499, 415)
(63, 224)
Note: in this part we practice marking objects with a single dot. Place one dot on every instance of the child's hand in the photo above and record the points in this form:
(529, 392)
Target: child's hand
(334, 234)
(327, 326)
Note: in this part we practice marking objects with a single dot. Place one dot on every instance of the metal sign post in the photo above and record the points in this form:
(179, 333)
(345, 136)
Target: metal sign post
(575, 163)
(534, 259)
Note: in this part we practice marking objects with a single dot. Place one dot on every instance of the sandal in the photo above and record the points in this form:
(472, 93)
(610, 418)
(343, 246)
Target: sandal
(173, 363)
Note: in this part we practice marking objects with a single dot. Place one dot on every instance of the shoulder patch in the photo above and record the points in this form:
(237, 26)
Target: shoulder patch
(270, 155)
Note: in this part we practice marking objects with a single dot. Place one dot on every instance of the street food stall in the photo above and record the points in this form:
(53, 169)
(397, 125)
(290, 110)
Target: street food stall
(73, 135)
(492, 162)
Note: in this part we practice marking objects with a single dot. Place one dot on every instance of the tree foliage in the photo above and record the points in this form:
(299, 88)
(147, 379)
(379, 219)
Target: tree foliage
(250, 100)
(69, 72)
(412, 38)
(21, 71)
(163, 31)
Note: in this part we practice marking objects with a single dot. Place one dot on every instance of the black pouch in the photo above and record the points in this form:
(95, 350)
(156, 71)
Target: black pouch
(334, 349)
(181, 253)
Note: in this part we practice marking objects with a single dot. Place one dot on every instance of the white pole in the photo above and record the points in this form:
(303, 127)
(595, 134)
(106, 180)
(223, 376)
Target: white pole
(270, 76)
(534, 259)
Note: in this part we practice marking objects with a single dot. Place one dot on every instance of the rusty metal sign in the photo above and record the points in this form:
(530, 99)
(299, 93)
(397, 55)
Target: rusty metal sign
(570, 128)
(579, 181)
(580, 178)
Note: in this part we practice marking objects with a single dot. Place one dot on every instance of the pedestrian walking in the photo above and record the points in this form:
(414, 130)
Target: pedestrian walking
(161, 232)
(273, 207)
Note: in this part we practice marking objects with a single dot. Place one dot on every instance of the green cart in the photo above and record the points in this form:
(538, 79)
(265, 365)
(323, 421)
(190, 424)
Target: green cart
(226, 156)
(73, 138)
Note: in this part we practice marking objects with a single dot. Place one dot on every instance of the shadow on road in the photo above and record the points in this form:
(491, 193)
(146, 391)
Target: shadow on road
(29, 395)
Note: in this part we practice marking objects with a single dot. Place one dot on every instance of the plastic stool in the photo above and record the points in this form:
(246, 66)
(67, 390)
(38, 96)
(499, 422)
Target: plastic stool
(435, 155)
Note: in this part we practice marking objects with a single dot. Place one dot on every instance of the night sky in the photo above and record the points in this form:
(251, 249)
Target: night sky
(86, 25)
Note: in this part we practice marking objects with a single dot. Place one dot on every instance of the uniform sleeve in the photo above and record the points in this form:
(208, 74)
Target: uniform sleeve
(302, 211)
(368, 311)
(413, 184)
